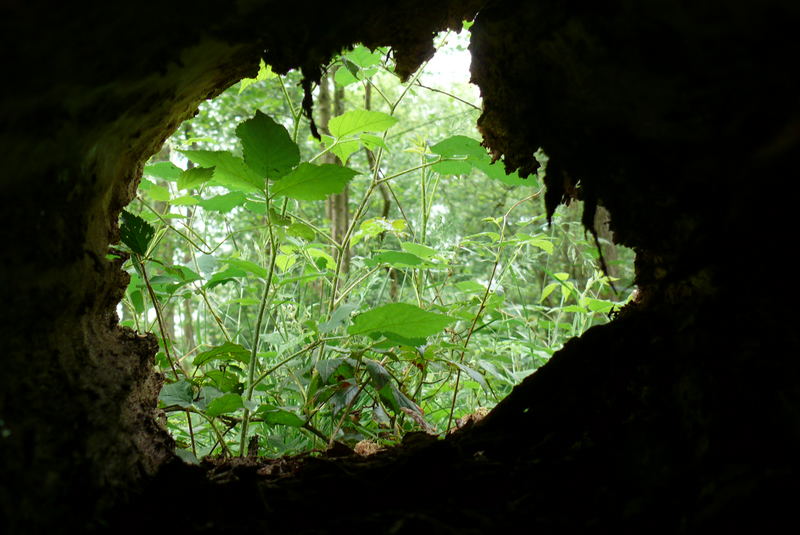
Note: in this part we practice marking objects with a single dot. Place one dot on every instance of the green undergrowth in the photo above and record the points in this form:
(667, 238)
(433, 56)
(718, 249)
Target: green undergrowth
(277, 335)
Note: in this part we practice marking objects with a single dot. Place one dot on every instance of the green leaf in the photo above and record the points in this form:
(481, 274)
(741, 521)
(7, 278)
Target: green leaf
(158, 193)
(364, 57)
(224, 203)
(278, 416)
(246, 265)
(452, 167)
(460, 146)
(471, 287)
(335, 369)
(225, 352)
(358, 121)
(301, 230)
(135, 232)
(225, 404)
(268, 148)
(344, 77)
(372, 142)
(475, 375)
(186, 200)
(397, 259)
(177, 393)
(339, 317)
(309, 182)
(284, 261)
(224, 381)
(401, 318)
(548, 290)
(322, 259)
(422, 251)
(345, 149)
(380, 377)
(598, 305)
(264, 73)
(163, 170)
(194, 177)
(223, 277)
(229, 171)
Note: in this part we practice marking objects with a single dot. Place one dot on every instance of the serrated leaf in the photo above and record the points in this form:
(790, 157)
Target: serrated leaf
(345, 149)
(264, 73)
(372, 142)
(401, 318)
(163, 170)
(229, 171)
(309, 182)
(135, 232)
(358, 121)
(344, 77)
(177, 393)
(194, 177)
(224, 352)
(267, 146)
(225, 404)
(223, 203)
(364, 57)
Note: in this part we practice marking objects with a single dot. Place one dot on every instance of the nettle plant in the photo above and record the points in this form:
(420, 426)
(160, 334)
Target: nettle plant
(300, 337)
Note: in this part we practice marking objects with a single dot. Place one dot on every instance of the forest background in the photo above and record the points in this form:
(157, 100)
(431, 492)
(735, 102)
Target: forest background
(388, 278)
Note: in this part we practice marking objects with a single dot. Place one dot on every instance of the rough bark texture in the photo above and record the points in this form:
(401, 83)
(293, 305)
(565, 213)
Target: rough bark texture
(683, 119)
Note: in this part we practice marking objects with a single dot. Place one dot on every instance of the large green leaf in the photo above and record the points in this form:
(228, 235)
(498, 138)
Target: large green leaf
(177, 393)
(224, 203)
(229, 171)
(404, 319)
(278, 416)
(477, 156)
(246, 265)
(357, 121)
(309, 182)
(135, 232)
(163, 170)
(227, 351)
(268, 148)
(225, 404)
(194, 177)
(460, 146)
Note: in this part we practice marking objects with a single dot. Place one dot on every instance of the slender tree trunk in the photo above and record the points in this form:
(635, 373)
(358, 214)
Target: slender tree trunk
(336, 205)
